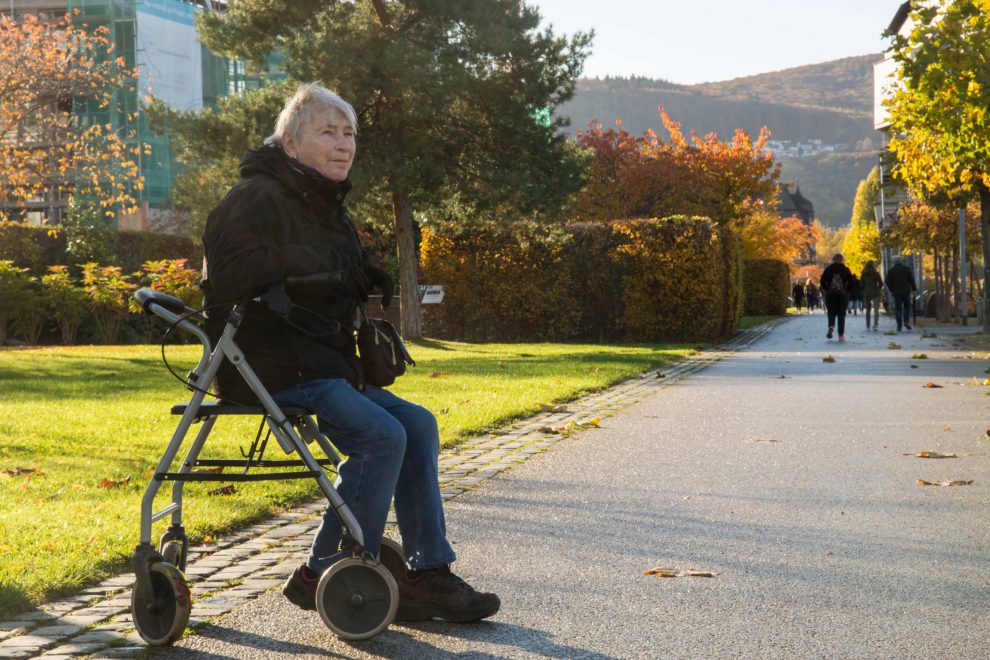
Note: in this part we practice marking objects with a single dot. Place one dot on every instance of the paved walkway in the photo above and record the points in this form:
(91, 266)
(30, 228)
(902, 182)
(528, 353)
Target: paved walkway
(239, 568)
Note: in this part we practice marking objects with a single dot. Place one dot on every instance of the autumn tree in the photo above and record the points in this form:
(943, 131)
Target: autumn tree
(764, 235)
(862, 241)
(829, 241)
(940, 113)
(646, 176)
(933, 228)
(45, 67)
(454, 103)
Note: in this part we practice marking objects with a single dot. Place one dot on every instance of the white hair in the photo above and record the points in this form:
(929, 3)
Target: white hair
(309, 99)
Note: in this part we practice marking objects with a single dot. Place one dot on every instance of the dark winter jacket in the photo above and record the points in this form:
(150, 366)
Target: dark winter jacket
(284, 219)
(844, 274)
(872, 284)
(900, 280)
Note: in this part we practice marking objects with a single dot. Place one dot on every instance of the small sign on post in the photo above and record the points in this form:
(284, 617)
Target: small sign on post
(430, 294)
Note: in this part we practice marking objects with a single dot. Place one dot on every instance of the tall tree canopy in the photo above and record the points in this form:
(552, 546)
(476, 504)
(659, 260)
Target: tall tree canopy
(45, 66)
(454, 100)
(862, 241)
(940, 115)
(636, 177)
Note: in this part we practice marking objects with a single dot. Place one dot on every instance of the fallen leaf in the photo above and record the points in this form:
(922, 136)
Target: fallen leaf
(948, 482)
(553, 408)
(931, 385)
(920, 356)
(115, 483)
(660, 375)
(443, 411)
(988, 434)
(781, 376)
(828, 358)
(933, 454)
(914, 366)
(436, 374)
(756, 441)
(229, 489)
(890, 332)
(671, 572)
(893, 346)
(23, 472)
(947, 429)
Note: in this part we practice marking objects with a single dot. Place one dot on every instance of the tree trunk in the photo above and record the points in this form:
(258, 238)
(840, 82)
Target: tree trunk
(411, 320)
(985, 230)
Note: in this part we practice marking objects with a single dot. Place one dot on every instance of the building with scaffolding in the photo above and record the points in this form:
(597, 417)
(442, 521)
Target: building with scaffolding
(157, 38)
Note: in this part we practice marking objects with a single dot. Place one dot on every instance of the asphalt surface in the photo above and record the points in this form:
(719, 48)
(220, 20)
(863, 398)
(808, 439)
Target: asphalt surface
(785, 475)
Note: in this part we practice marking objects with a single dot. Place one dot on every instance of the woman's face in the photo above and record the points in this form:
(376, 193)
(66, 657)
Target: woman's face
(326, 143)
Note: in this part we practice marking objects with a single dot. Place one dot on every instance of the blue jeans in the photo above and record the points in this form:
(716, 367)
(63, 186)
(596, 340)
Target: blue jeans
(391, 448)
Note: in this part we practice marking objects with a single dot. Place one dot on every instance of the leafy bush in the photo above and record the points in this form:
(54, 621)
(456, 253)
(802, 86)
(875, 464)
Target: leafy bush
(109, 292)
(675, 279)
(66, 301)
(766, 285)
(17, 299)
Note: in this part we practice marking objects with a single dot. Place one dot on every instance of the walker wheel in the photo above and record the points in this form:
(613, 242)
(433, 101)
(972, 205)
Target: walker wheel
(172, 553)
(357, 598)
(161, 619)
(392, 558)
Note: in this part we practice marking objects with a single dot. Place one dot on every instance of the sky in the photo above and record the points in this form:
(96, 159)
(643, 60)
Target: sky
(694, 41)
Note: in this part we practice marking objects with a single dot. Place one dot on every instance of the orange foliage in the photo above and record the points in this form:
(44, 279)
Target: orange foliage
(45, 68)
(637, 177)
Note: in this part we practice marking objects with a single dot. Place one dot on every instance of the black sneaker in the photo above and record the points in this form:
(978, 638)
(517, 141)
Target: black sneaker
(829, 335)
(300, 589)
(907, 326)
(439, 594)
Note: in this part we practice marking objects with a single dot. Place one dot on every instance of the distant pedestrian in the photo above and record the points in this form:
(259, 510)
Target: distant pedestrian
(855, 295)
(797, 293)
(872, 292)
(811, 294)
(836, 280)
(900, 283)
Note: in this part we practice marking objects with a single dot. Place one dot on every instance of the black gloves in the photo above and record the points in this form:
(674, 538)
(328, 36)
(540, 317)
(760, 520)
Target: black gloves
(378, 277)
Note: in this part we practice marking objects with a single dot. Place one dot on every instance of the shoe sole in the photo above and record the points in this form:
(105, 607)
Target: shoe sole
(429, 612)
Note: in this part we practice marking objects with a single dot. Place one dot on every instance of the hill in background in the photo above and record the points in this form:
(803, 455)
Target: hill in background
(820, 117)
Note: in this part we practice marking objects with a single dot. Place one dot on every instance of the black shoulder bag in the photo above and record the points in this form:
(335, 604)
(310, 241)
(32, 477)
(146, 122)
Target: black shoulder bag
(383, 354)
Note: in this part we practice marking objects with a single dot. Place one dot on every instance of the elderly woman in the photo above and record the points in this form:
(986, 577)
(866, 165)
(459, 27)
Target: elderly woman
(287, 217)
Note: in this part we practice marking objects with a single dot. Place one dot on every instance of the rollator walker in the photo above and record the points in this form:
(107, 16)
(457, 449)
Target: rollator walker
(356, 598)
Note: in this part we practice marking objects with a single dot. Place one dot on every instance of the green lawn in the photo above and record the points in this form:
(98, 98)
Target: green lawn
(76, 420)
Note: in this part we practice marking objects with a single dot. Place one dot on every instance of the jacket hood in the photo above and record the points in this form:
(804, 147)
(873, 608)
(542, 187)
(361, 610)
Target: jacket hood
(272, 161)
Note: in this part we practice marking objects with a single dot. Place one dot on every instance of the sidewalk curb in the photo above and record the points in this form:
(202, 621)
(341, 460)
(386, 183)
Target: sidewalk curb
(96, 621)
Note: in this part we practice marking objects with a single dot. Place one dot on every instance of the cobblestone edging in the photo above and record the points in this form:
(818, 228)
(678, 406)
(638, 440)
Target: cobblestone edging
(96, 621)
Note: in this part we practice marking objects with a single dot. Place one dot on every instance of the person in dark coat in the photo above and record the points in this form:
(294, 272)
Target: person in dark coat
(287, 217)
(872, 292)
(835, 281)
(797, 293)
(811, 294)
(855, 295)
(900, 283)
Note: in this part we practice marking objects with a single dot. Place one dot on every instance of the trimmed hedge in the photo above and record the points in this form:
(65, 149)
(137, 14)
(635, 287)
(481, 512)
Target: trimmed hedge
(766, 285)
(37, 248)
(675, 279)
